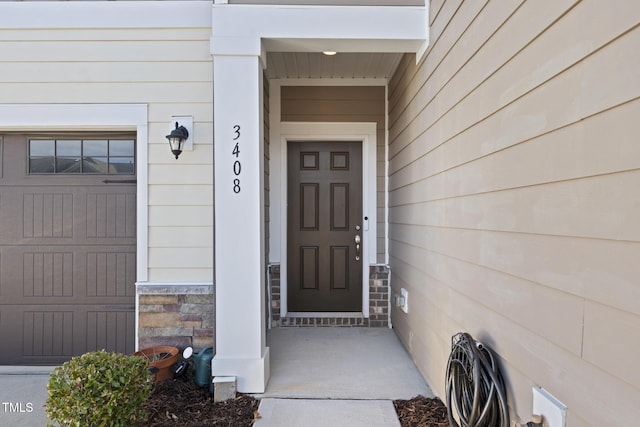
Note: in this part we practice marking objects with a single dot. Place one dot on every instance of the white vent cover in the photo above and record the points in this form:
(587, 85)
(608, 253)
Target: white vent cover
(553, 411)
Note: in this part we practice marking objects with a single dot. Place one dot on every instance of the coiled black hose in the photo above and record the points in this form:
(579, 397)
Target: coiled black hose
(475, 389)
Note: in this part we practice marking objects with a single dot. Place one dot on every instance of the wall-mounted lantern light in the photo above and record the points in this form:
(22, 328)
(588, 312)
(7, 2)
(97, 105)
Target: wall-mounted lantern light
(177, 138)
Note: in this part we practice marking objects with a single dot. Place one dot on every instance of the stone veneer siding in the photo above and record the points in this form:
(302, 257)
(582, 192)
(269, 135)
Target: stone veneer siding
(378, 303)
(179, 316)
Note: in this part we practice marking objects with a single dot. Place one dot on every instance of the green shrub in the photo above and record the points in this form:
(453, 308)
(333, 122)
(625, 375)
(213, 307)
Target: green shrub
(99, 389)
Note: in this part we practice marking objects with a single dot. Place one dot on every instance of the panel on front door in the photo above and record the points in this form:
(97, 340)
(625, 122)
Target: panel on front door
(324, 272)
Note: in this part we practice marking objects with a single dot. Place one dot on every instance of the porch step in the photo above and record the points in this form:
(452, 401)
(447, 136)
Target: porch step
(328, 321)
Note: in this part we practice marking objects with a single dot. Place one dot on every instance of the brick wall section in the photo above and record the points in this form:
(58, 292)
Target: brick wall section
(325, 321)
(178, 320)
(378, 303)
(274, 272)
(379, 295)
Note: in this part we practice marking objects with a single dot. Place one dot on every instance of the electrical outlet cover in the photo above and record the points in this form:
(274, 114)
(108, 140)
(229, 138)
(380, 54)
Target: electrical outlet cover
(553, 411)
(405, 300)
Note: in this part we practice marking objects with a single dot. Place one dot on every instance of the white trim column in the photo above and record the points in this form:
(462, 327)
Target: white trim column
(239, 221)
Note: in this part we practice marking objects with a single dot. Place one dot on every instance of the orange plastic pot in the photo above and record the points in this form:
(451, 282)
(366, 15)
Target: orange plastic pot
(162, 357)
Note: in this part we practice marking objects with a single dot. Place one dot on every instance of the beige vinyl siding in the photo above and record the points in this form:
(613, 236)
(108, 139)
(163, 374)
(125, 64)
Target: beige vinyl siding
(170, 70)
(314, 2)
(334, 2)
(344, 104)
(514, 204)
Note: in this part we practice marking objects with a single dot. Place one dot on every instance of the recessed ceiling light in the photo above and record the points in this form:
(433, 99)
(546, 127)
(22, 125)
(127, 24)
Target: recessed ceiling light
(329, 53)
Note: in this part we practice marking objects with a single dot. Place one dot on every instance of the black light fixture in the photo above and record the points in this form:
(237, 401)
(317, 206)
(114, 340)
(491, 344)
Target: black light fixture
(176, 138)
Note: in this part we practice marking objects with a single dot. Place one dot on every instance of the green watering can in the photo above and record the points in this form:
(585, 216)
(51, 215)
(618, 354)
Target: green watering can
(202, 364)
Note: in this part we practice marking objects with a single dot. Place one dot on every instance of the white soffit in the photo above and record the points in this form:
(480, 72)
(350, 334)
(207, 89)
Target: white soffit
(249, 29)
(315, 65)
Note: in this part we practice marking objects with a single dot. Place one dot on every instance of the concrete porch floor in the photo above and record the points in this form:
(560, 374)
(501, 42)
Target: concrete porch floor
(337, 377)
(341, 363)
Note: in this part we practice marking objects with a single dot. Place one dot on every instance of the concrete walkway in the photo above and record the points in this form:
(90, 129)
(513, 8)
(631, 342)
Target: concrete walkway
(337, 377)
(23, 392)
(326, 413)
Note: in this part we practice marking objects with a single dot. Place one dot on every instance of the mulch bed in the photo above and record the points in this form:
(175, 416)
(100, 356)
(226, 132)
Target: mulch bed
(421, 412)
(181, 403)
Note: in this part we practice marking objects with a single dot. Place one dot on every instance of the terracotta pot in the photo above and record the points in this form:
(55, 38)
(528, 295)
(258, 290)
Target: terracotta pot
(162, 357)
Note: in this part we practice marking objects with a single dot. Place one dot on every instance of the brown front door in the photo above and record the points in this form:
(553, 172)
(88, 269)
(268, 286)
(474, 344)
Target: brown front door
(324, 211)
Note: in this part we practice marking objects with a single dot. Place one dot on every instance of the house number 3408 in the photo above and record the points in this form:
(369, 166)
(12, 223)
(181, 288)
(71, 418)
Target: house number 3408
(237, 166)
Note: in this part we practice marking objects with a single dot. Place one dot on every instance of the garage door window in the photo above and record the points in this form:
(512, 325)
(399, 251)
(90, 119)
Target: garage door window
(82, 156)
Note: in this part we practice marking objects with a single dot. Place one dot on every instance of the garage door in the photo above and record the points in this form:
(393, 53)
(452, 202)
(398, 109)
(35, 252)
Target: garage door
(67, 246)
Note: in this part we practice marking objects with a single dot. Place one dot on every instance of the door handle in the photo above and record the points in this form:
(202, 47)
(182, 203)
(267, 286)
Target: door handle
(357, 240)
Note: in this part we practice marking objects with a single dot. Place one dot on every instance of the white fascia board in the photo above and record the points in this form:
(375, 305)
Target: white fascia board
(72, 116)
(312, 28)
(234, 45)
(105, 14)
(374, 81)
(343, 45)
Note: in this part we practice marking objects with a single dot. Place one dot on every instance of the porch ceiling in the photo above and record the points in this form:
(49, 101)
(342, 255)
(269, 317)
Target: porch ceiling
(369, 40)
(315, 65)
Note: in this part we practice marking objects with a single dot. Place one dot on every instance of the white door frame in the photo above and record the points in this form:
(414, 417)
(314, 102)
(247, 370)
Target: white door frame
(327, 131)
